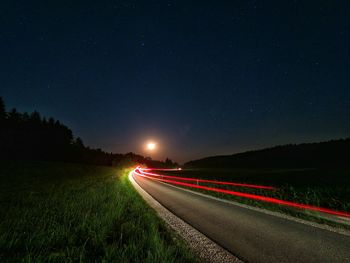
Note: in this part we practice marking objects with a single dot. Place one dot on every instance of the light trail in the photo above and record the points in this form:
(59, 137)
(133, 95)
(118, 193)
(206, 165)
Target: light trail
(139, 172)
(203, 180)
(160, 169)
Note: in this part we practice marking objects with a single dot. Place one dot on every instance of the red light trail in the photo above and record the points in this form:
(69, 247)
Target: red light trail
(139, 171)
(207, 181)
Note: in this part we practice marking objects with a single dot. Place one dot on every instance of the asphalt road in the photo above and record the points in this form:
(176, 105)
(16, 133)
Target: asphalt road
(251, 235)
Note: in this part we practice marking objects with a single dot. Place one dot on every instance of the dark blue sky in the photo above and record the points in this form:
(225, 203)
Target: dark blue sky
(199, 77)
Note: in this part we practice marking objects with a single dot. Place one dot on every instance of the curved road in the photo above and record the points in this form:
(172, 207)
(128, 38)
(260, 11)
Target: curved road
(251, 235)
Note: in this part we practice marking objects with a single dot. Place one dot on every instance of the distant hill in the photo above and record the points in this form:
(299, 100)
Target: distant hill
(334, 153)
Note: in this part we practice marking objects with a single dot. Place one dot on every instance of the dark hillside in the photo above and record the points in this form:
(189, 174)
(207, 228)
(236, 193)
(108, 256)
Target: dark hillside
(335, 153)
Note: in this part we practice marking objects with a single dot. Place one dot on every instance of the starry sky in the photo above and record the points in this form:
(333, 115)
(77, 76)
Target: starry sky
(200, 78)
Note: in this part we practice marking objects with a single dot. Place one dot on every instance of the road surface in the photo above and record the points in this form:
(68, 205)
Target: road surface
(251, 235)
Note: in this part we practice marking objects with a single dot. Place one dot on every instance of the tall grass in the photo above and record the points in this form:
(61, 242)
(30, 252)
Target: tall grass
(52, 212)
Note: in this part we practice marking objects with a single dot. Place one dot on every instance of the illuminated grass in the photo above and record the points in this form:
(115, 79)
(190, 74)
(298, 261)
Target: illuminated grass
(69, 212)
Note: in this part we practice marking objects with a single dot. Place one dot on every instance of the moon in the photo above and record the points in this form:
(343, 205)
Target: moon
(151, 146)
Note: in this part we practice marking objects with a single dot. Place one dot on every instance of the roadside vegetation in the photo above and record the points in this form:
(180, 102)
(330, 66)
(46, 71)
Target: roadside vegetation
(329, 188)
(61, 212)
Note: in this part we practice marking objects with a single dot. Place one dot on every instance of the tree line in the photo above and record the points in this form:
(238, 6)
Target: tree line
(329, 154)
(29, 136)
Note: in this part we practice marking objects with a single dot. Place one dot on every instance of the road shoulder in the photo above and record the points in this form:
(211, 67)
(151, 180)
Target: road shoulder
(205, 248)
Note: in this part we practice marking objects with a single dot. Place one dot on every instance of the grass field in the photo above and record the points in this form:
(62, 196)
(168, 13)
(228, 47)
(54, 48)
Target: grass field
(326, 188)
(55, 212)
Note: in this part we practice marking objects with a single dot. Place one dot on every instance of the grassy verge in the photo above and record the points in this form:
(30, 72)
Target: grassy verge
(325, 188)
(55, 212)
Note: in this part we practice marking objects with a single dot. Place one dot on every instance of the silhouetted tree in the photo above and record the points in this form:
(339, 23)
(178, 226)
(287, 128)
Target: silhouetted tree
(169, 163)
(25, 117)
(2, 110)
(79, 142)
(14, 116)
(51, 122)
(35, 117)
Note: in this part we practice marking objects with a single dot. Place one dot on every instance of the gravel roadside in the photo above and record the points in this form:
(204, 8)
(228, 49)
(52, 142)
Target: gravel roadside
(206, 249)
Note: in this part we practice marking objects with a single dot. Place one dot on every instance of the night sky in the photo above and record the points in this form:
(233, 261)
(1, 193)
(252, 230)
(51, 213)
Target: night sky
(199, 77)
